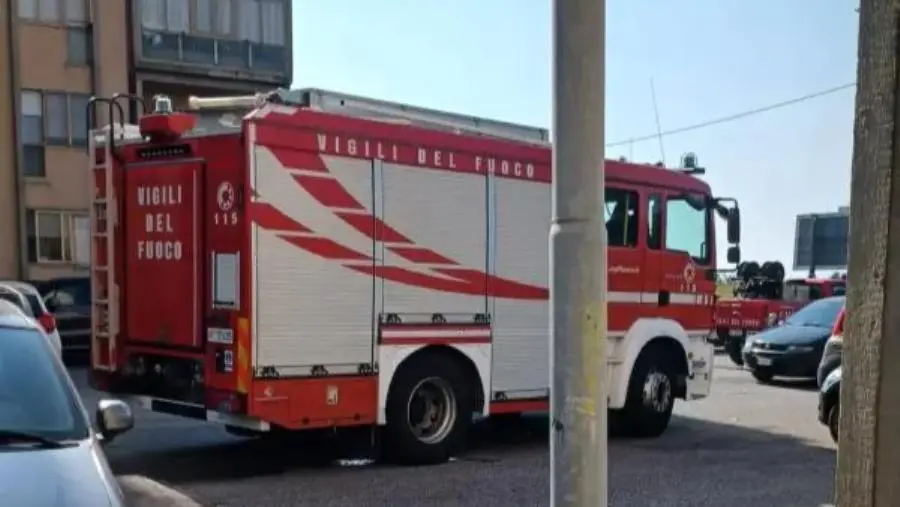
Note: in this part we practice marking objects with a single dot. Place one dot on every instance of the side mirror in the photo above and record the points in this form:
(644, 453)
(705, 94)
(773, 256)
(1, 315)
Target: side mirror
(51, 305)
(114, 417)
(734, 226)
(733, 255)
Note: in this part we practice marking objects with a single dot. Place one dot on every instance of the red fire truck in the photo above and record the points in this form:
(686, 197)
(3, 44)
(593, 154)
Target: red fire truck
(332, 261)
(762, 299)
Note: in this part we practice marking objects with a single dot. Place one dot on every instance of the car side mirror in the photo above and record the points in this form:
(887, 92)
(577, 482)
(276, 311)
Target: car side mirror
(51, 305)
(734, 225)
(114, 417)
(733, 254)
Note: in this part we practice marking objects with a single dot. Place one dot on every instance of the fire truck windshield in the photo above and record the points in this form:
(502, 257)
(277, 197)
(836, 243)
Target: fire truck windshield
(689, 226)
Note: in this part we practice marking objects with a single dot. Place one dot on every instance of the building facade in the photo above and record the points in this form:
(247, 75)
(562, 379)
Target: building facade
(56, 54)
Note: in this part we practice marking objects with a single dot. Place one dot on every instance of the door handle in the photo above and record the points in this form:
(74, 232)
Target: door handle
(663, 298)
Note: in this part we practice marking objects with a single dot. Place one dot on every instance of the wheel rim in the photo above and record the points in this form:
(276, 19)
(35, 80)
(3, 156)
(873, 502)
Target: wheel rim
(657, 392)
(431, 410)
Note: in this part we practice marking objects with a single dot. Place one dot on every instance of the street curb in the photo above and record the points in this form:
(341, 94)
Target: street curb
(142, 491)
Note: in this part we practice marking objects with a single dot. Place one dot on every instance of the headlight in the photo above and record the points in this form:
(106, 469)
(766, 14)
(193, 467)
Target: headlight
(800, 348)
(772, 319)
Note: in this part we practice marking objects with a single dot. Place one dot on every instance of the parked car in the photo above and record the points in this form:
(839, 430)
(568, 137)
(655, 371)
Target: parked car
(49, 453)
(27, 298)
(830, 402)
(833, 352)
(794, 348)
(70, 301)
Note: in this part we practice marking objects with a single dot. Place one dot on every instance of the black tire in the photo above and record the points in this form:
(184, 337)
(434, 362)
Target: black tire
(762, 376)
(733, 346)
(243, 432)
(648, 416)
(401, 444)
(834, 419)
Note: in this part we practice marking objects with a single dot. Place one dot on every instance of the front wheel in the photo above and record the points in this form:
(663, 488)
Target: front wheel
(651, 396)
(834, 419)
(762, 376)
(428, 412)
(734, 346)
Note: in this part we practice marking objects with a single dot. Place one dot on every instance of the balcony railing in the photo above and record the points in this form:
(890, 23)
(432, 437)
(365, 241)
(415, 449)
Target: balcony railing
(219, 53)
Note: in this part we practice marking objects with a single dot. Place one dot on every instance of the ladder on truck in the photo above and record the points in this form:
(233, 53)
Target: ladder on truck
(381, 110)
(104, 219)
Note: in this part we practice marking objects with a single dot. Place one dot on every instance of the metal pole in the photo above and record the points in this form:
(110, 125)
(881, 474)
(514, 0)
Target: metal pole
(578, 258)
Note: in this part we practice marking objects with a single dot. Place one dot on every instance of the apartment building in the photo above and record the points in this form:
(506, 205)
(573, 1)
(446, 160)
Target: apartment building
(56, 54)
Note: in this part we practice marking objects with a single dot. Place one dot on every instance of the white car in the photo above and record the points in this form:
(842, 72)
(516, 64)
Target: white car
(29, 300)
(50, 454)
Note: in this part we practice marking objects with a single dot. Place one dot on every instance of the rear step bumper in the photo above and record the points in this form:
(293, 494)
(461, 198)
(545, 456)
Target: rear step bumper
(195, 411)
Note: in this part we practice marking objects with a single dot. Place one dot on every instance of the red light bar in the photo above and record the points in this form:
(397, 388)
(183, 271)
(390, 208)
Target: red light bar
(166, 126)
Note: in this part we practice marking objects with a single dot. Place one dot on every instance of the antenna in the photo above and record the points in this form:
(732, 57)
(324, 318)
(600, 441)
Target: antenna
(662, 148)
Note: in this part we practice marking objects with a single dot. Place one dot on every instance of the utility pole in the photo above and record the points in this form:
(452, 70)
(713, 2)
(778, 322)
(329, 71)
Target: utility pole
(869, 449)
(578, 258)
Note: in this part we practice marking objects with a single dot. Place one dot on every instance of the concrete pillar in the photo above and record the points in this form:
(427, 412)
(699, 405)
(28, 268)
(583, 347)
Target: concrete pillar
(869, 450)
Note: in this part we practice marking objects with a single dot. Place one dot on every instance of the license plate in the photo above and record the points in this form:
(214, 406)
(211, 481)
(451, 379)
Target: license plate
(763, 361)
(735, 332)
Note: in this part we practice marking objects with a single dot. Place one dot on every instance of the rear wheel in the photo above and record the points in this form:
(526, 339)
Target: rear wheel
(428, 412)
(651, 396)
(834, 419)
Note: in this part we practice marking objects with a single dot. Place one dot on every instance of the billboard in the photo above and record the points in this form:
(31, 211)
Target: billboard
(821, 241)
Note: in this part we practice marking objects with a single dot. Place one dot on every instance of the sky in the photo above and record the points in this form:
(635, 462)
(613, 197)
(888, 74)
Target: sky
(706, 59)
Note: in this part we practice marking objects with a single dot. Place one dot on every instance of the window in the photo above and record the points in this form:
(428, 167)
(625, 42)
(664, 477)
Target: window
(621, 217)
(654, 222)
(54, 117)
(249, 20)
(153, 14)
(38, 398)
(178, 16)
(57, 107)
(822, 313)
(71, 12)
(686, 226)
(272, 17)
(33, 162)
(80, 46)
(28, 9)
(203, 16)
(54, 236)
(223, 17)
(76, 11)
(49, 10)
(32, 128)
(78, 105)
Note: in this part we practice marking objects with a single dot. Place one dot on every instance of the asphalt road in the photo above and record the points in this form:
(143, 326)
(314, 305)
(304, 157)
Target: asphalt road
(746, 445)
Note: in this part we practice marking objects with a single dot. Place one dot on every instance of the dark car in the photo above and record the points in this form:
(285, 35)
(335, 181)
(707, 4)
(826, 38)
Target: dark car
(830, 402)
(794, 349)
(69, 299)
(831, 356)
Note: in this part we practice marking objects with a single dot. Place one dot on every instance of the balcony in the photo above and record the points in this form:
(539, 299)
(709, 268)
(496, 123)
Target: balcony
(214, 57)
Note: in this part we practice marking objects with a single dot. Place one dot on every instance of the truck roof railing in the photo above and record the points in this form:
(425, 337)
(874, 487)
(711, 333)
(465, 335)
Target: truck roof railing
(379, 110)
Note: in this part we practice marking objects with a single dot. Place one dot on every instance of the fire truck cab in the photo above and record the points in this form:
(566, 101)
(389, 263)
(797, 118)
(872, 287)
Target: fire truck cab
(332, 261)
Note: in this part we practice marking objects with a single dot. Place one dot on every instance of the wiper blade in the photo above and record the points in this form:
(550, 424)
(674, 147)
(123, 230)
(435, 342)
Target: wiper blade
(21, 436)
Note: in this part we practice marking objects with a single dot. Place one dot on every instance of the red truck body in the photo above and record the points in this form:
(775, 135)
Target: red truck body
(277, 275)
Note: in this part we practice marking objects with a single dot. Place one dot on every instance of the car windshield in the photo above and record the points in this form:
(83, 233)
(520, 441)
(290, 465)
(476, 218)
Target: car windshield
(36, 396)
(821, 313)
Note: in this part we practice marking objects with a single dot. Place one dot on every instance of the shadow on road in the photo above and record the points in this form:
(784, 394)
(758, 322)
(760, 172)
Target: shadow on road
(709, 459)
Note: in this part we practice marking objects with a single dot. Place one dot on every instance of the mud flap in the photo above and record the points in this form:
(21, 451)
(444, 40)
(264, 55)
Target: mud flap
(700, 367)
